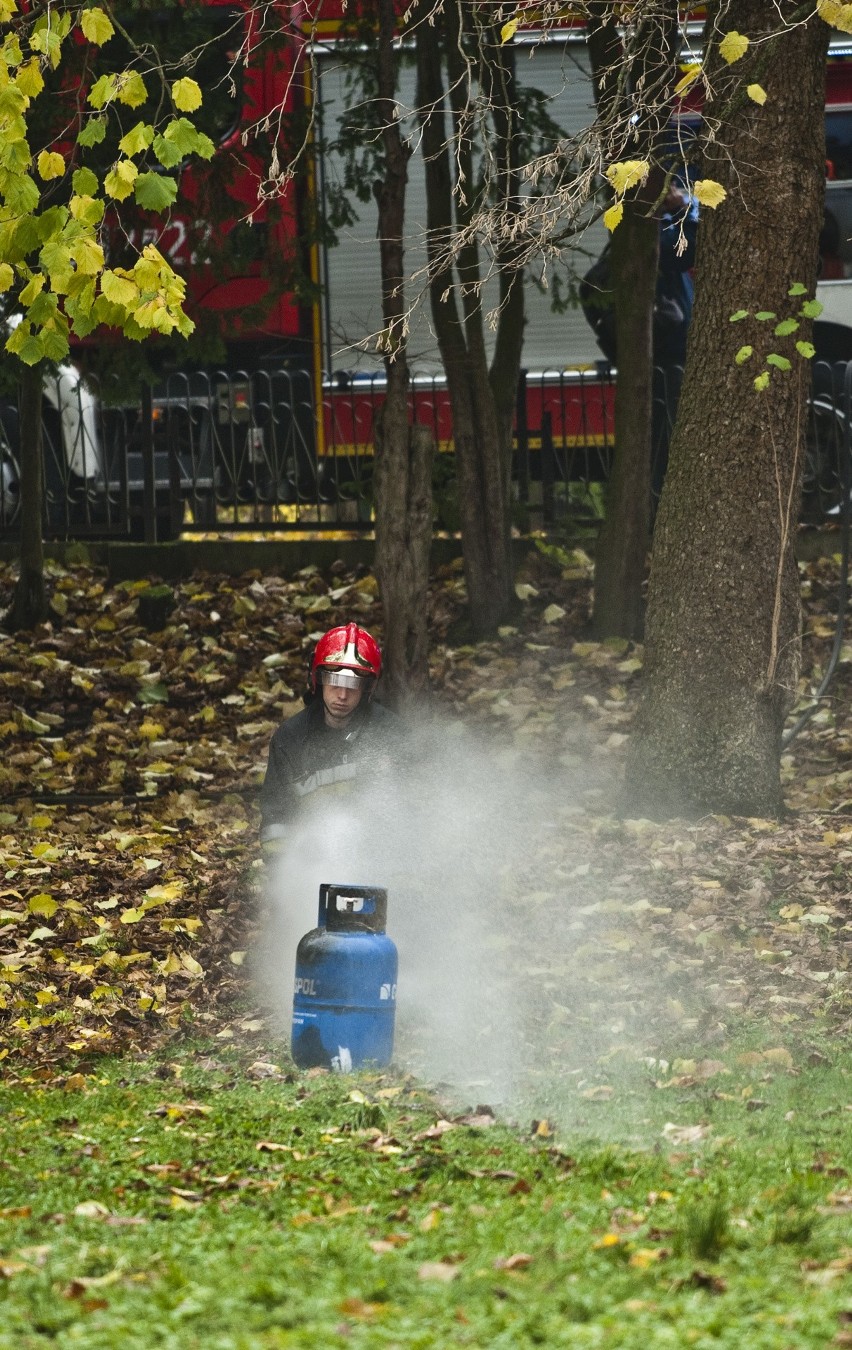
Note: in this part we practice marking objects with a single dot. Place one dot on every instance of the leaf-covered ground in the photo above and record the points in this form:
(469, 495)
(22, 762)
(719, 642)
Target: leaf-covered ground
(131, 883)
(657, 1010)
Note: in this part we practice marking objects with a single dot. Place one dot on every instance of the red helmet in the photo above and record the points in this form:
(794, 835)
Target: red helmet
(349, 647)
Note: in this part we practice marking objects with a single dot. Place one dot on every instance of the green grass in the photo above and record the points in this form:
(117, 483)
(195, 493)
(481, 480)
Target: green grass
(738, 1239)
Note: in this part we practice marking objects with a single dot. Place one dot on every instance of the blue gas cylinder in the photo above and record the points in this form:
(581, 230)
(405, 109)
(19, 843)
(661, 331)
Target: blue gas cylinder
(344, 999)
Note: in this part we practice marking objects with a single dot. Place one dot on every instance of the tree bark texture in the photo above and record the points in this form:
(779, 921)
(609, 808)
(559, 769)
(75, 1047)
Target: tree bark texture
(722, 629)
(403, 455)
(29, 601)
(621, 553)
(482, 400)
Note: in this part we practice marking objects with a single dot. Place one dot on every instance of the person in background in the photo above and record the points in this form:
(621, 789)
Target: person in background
(341, 735)
(672, 315)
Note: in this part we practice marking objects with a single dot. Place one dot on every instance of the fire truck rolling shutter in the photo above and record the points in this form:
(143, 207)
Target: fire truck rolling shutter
(552, 341)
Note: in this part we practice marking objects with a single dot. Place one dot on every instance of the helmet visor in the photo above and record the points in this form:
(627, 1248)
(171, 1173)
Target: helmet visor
(343, 679)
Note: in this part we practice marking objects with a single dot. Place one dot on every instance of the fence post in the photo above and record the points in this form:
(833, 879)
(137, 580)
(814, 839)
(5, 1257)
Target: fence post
(548, 468)
(522, 439)
(149, 482)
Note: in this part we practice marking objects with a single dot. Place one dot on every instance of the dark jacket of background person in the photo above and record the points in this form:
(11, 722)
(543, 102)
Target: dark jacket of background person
(305, 756)
(675, 290)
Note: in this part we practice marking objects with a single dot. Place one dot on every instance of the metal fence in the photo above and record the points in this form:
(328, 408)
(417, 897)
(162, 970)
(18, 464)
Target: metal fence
(236, 452)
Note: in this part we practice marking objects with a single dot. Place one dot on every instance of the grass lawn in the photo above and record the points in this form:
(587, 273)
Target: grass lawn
(196, 1199)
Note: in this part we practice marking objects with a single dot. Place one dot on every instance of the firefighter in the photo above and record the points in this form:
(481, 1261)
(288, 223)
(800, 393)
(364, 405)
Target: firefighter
(342, 734)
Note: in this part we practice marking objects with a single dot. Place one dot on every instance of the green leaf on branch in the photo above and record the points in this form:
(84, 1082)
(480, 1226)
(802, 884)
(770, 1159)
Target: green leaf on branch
(739, 316)
(806, 349)
(22, 195)
(765, 314)
(762, 381)
(744, 354)
(93, 132)
(137, 139)
(779, 362)
(786, 327)
(103, 91)
(85, 183)
(24, 344)
(154, 192)
(797, 289)
(811, 309)
(88, 210)
(119, 290)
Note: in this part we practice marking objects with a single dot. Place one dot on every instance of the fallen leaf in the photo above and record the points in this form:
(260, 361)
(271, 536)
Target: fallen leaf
(685, 1134)
(437, 1270)
(518, 1261)
(90, 1209)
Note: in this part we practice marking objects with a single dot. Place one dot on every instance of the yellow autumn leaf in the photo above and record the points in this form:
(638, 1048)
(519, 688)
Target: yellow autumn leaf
(43, 904)
(131, 89)
(687, 80)
(779, 1055)
(186, 94)
(190, 964)
(172, 891)
(50, 165)
(7, 276)
(627, 173)
(96, 26)
(120, 179)
(644, 1257)
(508, 31)
(756, 93)
(837, 14)
(708, 192)
(612, 216)
(733, 46)
(608, 1240)
(29, 78)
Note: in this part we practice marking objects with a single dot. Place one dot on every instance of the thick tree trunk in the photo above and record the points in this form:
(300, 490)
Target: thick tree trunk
(29, 602)
(403, 455)
(481, 422)
(723, 616)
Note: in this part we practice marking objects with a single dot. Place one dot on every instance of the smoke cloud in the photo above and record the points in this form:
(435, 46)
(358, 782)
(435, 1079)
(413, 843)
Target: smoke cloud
(462, 834)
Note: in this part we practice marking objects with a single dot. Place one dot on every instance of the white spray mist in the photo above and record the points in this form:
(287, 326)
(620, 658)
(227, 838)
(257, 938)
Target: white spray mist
(452, 830)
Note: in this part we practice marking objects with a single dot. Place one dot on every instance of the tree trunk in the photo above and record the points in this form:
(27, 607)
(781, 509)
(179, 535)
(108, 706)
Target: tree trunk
(481, 422)
(722, 627)
(403, 456)
(621, 552)
(403, 473)
(29, 602)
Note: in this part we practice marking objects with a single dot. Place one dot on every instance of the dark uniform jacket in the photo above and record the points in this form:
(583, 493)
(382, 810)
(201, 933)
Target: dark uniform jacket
(306, 755)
